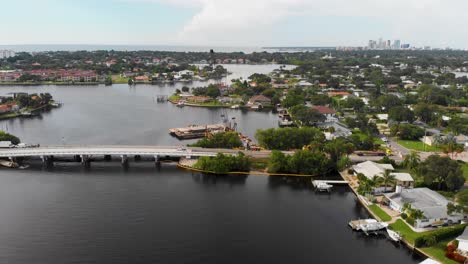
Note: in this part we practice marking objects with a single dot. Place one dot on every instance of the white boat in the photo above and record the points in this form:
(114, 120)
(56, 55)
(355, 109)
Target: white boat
(395, 236)
(372, 227)
(323, 187)
(235, 107)
(181, 104)
(356, 224)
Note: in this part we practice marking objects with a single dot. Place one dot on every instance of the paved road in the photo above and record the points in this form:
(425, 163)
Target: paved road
(401, 151)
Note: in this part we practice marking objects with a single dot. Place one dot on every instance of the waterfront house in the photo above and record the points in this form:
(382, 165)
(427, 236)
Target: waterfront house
(372, 169)
(259, 99)
(230, 100)
(141, 79)
(9, 107)
(328, 112)
(333, 94)
(432, 204)
(463, 243)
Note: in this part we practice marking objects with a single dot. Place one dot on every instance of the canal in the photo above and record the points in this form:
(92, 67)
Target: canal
(69, 214)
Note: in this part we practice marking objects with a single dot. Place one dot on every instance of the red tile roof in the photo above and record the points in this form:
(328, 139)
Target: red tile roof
(323, 109)
(337, 93)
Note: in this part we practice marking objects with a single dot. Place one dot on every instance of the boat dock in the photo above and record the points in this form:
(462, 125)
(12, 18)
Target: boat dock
(331, 182)
(195, 131)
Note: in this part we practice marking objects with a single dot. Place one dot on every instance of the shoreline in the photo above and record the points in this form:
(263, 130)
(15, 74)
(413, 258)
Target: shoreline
(252, 172)
(364, 204)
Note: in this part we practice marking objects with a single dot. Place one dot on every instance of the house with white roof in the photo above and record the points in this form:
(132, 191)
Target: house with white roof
(432, 204)
(372, 169)
(463, 243)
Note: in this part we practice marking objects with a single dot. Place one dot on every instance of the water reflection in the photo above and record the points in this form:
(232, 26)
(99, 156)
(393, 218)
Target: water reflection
(211, 179)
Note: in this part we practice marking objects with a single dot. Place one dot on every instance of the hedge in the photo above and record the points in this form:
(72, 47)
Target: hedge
(439, 235)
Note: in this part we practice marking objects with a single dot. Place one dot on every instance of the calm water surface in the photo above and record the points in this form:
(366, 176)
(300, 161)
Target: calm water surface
(105, 214)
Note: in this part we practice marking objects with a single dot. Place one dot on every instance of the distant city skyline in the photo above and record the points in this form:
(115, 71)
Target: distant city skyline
(252, 23)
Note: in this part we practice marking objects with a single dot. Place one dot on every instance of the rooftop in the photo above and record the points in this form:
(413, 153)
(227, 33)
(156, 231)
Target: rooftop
(430, 202)
(371, 169)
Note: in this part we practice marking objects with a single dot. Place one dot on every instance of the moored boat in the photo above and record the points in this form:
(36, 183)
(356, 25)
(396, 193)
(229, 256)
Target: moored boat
(395, 236)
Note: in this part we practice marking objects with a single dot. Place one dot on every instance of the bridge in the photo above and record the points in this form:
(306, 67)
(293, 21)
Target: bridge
(86, 153)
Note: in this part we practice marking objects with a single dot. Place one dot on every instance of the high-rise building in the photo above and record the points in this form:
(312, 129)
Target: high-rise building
(389, 44)
(396, 44)
(6, 54)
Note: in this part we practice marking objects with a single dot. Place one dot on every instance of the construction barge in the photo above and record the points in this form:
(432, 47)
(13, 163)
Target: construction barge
(196, 131)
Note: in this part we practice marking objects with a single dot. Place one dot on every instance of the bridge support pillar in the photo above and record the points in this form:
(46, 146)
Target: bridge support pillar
(124, 160)
(85, 160)
(107, 157)
(157, 161)
(47, 160)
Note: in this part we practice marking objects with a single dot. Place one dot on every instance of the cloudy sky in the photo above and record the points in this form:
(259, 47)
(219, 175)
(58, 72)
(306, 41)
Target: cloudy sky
(439, 23)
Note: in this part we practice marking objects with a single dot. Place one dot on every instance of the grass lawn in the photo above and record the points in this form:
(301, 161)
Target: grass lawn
(362, 135)
(418, 145)
(380, 213)
(174, 98)
(438, 252)
(117, 79)
(405, 231)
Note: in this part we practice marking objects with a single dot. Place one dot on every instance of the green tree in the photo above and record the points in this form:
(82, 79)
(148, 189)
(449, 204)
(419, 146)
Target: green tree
(320, 99)
(277, 162)
(407, 131)
(9, 137)
(442, 173)
(401, 114)
(356, 103)
(337, 148)
(461, 206)
(425, 112)
(292, 100)
(212, 91)
(289, 138)
(412, 161)
(388, 101)
(452, 148)
(388, 179)
(306, 115)
(220, 140)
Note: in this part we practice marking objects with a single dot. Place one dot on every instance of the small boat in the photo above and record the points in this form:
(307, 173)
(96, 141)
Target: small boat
(181, 104)
(356, 224)
(395, 236)
(323, 187)
(372, 227)
(23, 167)
(235, 107)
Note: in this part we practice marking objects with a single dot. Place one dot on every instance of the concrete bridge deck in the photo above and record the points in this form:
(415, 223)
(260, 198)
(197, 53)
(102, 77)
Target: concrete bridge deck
(151, 151)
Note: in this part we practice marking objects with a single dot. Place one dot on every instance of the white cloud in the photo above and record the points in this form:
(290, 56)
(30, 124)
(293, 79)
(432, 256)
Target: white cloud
(253, 22)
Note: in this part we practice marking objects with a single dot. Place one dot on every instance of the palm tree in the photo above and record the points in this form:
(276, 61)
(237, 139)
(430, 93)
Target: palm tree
(417, 214)
(388, 179)
(412, 160)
